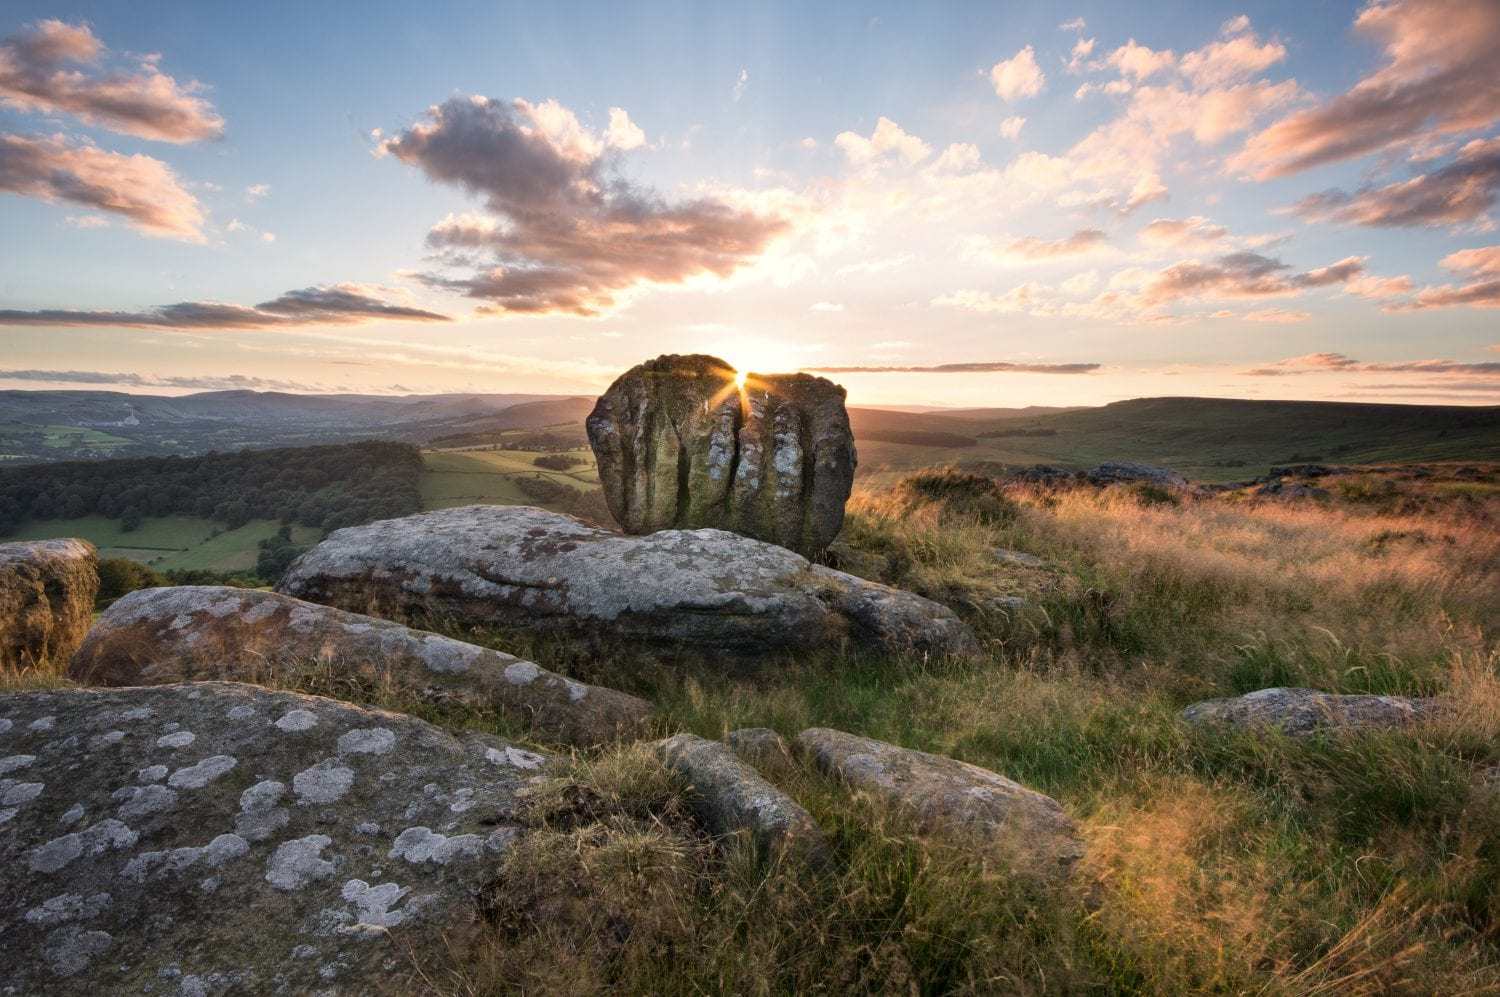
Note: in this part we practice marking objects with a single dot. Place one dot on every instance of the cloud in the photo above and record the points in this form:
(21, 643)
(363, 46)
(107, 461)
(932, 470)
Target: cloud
(888, 137)
(1011, 127)
(826, 306)
(1274, 316)
(1223, 63)
(1030, 249)
(86, 221)
(1078, 59)
(1314, 363)
(256, 191)
(623, 134)
(967, 368)
(1460, 192)
(143, 190)
(1076, 24)
(1484, 260)
(564, 234)
(335, 304)
(39, 72)
(1017, 77)
(1139, 61)
(740, 83)
(876, 266)
(221, 382)
(1242, 275)
(1191, 234)
(1439, 77)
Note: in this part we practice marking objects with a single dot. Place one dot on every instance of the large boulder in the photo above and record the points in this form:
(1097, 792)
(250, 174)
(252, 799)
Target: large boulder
(681, 443)
(952, 798)
(210, 838)
(1300, 712)
(156, 636)
(516, 566)
(47, 590)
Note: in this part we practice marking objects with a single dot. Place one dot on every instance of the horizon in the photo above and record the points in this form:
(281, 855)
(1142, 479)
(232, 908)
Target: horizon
(1056, 205)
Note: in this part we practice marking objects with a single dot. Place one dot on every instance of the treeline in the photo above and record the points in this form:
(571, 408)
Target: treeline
(323, 486)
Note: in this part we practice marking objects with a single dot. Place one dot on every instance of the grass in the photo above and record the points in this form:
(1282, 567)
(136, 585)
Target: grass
(1217, 862)
(487, 477)
(169, 542)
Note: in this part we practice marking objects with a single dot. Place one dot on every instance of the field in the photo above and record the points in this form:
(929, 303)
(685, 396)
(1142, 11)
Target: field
(169, 542)
(487, 477)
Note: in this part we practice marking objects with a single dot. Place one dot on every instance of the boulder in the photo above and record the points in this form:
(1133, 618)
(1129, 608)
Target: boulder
(707, 590)
(155, 636)
(1129, 472)
(760, 746)
(1299, 712)
(949, 797)
(681, 444)
(730, 796)
(47, 590)
(210, 838)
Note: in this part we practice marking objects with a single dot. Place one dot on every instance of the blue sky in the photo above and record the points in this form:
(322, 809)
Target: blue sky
(1072, 203)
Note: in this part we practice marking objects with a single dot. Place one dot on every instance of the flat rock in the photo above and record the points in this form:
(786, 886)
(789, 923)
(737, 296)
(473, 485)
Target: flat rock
(47, 590)
(953, 798)
(711, 590)
(1299, 712)
(209, 838)
(730, 796)
(154, 636)
(681, 443)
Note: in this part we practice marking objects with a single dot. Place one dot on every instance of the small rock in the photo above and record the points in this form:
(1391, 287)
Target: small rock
(731, 796)
(1129, 472)
(1018, 557)
(47, 590)
(954, 798)
(1299, 712)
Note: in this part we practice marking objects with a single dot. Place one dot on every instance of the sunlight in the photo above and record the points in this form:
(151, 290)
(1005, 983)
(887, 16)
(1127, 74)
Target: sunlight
(739, 380)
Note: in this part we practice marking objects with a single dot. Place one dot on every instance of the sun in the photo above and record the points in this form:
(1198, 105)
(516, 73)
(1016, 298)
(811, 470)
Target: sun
(757, 355)
(739, 379)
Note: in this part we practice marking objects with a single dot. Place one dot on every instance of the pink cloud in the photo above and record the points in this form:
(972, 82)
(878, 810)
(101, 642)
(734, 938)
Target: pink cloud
(1460, 192)
(335, 304)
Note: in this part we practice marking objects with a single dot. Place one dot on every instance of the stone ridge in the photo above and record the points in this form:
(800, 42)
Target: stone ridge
(47, 590)
(710, 590)
(681, 445)
(213, 837)
(154, 636)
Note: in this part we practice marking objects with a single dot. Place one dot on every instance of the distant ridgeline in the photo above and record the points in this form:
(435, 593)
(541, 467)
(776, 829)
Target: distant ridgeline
(323, 486)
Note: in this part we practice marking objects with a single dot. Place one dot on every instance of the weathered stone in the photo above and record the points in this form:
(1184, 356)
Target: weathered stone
(681, 445)
(516, 566)
(760, 746)
(953, 798)
(47, 590)
(153, 636)
(730, 796)
(233, 879)
(1121, 472)
(1299, 712)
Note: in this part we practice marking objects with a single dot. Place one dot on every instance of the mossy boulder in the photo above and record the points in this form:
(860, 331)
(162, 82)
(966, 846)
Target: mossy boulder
(681, 443)
(47, 590)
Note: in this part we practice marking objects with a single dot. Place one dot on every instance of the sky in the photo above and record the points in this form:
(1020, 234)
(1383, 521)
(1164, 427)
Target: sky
(990, 204)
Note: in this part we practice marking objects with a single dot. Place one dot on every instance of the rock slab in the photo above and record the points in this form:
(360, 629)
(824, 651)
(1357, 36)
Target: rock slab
(213, 838)
(953, 798)
(709, 590)
(682, 443)
(1300, 712)
(156, 636)
(730, 796)
(47, 590)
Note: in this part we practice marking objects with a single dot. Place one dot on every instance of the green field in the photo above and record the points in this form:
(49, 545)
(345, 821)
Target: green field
(169, 542)
(487, 477)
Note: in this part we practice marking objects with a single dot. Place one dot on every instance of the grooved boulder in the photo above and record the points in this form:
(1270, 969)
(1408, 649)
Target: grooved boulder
(681, 444)
(47, 590)
(155, 636)
(706, 590)
(216, 838)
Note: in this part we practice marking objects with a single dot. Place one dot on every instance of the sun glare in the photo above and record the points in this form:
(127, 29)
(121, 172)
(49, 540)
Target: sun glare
(739, 379)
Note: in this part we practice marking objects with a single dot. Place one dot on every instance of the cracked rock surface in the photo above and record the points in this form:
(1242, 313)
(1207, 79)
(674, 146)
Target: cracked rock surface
(47, 590)
(154, 636)
(213, 837)
(681, 444)
(521, 567)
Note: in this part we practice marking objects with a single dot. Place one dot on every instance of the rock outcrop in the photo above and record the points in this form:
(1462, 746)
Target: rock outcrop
(47, 590)
(1300, 712)
(516, 566)
(953, 798)
(209, 838)
(760, 746)
(730, 796)
(155, 636)
(681, 444)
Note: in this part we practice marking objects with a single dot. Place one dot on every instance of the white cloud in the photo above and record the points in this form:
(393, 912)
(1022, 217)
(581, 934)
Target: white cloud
(1011, 127)
(888, 137)
(740, 83)
(1017, 77)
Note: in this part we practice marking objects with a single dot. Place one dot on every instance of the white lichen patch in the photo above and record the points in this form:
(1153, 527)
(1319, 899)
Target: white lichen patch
(224, 848)
(152, 773)
(297, 720)
(135, 713)
(372, 904)
(200, 775)
(13, 762)
(367, 741)
(72, 815)
(43, 723)
(70, 950)
(324, 782)
(523, 759)
(142, 801)
(5, 725)
(298, 862)
(99, 741)
(59, 852)
(522, 673)
(176, 739)
(421, 844)
(259, 816)
(444, 655)
(67, 907)
(15, 794)
(241, 713)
